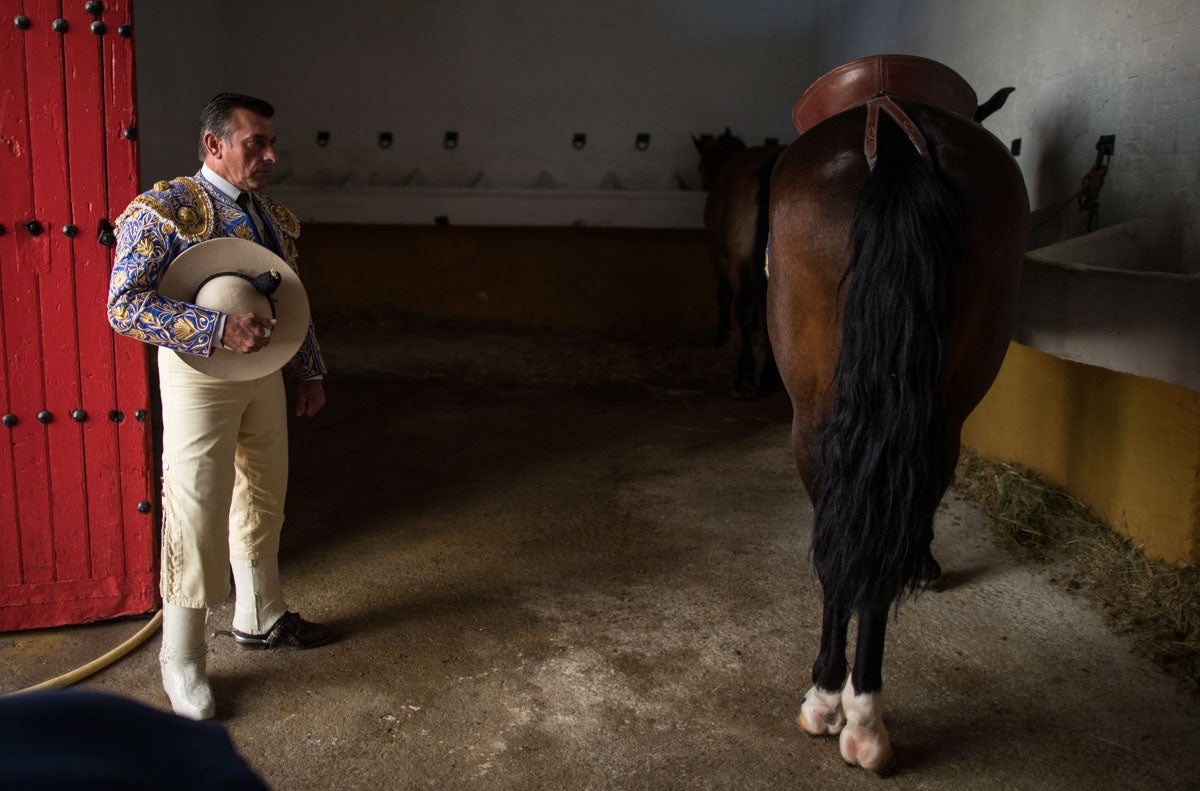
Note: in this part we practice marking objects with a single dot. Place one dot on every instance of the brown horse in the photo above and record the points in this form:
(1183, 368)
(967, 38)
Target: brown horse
(897, 231)
(737, 179)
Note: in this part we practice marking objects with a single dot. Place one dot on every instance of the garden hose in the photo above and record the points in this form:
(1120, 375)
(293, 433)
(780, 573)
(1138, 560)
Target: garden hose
(96, 665)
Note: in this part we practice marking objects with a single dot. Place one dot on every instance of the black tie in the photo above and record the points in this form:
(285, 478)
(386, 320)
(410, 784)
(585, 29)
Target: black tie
(243, 202)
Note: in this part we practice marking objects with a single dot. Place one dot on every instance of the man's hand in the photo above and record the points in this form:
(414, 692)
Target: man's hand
(246, 332)
(310, 397)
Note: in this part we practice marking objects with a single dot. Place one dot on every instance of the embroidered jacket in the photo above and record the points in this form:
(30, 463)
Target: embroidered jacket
(160, 224)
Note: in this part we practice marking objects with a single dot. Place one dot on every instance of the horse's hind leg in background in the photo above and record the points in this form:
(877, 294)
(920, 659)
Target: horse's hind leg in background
(748, 307)
(751, 293)
(724, 304)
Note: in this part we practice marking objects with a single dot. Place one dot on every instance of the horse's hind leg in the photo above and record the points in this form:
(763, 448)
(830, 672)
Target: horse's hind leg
(769, 380)
(864, 741)
(748, 305)
(724, 305)
(821, 713)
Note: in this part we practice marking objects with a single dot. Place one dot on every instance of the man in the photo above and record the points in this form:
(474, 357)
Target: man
(224, 442)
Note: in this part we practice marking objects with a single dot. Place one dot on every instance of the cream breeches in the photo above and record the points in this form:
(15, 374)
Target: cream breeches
(224, 477)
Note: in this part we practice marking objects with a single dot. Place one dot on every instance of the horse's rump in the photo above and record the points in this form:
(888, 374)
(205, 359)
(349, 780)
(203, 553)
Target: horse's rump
(880, 377)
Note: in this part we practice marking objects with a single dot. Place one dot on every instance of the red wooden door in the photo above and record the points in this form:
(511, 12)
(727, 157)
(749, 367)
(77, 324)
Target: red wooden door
(77, 522)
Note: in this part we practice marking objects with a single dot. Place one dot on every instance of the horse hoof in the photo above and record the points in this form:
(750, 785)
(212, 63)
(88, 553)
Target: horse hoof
(821, 713)
(935, 581)
(872, 751)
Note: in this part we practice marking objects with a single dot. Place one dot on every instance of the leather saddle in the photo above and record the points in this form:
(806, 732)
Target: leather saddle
(874, 82)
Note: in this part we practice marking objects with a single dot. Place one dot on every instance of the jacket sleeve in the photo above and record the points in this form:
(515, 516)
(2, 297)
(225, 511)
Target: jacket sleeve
(146, 245)
(307, 364)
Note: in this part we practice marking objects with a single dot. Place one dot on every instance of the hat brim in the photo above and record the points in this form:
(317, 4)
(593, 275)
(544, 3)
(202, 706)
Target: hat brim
(231, 254)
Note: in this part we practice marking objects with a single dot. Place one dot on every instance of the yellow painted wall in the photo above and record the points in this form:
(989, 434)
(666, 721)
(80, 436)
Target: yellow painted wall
(1127, 446)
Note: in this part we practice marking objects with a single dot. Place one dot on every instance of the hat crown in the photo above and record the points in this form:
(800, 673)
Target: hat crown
(233, 294)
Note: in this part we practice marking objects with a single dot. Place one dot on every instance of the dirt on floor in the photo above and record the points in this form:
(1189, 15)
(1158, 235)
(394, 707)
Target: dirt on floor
(573, 562)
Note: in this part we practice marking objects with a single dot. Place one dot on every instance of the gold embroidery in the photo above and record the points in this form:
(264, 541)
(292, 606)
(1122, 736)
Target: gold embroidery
(149, 202)
(196, 221)
(184, 329)
(145, 248)
(286, 221)
(243, 232)
(192, 219)
(120, 314)
(136, 334)
(162, 186)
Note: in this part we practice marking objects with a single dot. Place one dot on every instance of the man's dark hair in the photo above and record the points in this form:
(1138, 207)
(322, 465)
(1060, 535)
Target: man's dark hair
(217, 115)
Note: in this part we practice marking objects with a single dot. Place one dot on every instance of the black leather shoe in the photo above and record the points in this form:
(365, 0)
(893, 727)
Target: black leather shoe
(290, 631)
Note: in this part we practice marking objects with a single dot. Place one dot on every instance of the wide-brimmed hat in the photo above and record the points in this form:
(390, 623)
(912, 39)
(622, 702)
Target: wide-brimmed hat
(235, 276)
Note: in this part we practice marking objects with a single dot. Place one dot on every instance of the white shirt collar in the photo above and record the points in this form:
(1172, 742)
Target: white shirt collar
(224, 186)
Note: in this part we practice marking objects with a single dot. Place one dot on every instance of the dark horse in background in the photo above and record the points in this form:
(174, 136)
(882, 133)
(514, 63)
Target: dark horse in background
(898, 226)
(735, 224)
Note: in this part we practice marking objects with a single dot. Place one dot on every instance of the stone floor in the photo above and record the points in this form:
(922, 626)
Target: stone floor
(575, 563)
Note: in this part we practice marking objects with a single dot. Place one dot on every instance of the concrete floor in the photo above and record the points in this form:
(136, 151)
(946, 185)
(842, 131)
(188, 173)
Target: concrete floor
(561, 563)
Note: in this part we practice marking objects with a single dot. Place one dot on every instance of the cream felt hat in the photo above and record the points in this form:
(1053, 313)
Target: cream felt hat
(235, 276)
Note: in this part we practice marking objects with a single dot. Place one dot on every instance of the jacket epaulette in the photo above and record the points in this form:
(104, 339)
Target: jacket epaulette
(283, 217)
(182, 204)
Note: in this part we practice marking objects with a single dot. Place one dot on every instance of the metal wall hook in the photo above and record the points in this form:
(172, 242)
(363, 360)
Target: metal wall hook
(642, 142)
(579, 140)
(322, 138)
(385, 139)
(450, 139)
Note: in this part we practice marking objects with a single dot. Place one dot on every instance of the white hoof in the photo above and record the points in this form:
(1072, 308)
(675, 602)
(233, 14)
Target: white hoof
(864, 741)
(821, 713)
(185, 680)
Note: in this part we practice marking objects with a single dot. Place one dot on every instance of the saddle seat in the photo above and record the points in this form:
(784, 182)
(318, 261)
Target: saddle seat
(900, 76)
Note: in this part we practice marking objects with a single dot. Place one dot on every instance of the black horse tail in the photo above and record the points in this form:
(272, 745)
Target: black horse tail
(881, 447)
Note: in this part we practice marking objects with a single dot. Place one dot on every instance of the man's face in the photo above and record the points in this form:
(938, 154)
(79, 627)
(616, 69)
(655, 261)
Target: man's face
(245, 158)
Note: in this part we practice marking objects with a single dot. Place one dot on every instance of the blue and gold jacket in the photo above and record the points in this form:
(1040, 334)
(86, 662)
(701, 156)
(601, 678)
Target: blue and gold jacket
(160, 224)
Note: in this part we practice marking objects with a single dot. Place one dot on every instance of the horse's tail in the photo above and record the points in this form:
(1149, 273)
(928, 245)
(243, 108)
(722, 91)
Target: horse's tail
(881, 448)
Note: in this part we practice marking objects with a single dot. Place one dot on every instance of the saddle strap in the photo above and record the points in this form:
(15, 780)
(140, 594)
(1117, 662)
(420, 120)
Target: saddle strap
(871, 134)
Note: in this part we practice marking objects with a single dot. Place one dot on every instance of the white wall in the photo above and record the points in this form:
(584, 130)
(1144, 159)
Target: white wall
(517, 78)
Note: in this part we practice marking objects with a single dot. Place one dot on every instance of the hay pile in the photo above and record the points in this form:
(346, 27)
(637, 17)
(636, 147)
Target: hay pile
(1158, 604)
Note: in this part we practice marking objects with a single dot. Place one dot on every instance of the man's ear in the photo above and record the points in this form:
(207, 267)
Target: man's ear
(212, 145)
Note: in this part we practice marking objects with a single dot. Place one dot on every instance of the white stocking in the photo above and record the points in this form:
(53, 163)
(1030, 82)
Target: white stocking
(259, 602)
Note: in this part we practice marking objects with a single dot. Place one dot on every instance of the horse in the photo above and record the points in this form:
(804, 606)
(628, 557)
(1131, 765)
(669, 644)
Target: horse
(897, 228)
(737, 179)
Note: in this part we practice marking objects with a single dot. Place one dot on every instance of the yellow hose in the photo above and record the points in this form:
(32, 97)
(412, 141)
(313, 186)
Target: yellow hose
(96, 665)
